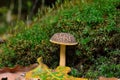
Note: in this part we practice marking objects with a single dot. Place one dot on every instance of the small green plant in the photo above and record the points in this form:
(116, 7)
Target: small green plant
(74, 72)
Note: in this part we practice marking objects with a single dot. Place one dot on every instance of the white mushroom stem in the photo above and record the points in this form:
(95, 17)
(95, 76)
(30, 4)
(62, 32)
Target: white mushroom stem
(62, 55)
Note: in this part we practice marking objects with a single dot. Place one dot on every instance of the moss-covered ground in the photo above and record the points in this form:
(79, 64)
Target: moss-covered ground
(96, 27)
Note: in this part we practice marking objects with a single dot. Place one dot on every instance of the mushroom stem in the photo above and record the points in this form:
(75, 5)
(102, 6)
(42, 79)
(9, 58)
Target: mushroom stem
(62, 55)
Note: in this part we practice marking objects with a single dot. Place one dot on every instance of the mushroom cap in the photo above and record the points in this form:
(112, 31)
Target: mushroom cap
(63, 39)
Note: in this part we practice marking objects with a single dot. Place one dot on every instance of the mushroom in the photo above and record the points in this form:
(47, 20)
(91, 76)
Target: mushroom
(63, 39)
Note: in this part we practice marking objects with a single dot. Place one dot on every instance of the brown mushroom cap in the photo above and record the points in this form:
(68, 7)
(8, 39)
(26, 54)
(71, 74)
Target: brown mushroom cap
(63, 39)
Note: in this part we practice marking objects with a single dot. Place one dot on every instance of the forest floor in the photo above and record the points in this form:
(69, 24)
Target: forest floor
(18, 73)
(12, 76)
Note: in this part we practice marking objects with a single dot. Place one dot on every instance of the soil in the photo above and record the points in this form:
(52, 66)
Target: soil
(16, 73)
(12, 76)
(104, 78)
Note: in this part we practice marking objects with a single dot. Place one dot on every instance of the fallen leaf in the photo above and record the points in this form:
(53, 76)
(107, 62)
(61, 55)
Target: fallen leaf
(104, 78)
(42, 72)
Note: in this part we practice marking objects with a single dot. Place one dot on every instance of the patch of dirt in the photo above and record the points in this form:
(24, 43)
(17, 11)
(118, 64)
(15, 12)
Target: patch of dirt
(104, 78)
(12, 76)
(16, 73)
